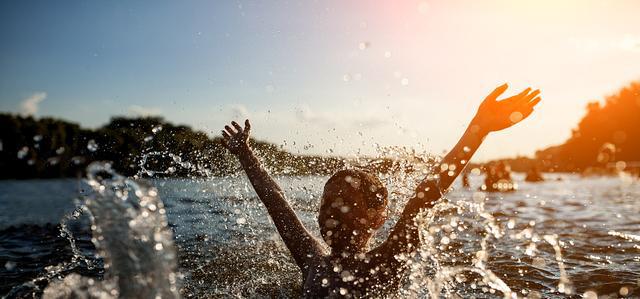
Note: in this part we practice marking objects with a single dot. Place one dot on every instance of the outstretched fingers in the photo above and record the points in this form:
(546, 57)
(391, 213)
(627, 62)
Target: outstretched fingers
(247, 126)
(234, 136)
(237, 127)
(534, 102)
(532, 95)
(493, 96)
(526, 97)
(528, 108)
(230, 131)
(517, 99)
(524, 92)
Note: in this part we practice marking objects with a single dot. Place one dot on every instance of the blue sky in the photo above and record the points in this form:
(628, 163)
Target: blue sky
(337, 77)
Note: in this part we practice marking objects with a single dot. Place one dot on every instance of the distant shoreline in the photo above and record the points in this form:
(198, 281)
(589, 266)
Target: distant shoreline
(609, 134)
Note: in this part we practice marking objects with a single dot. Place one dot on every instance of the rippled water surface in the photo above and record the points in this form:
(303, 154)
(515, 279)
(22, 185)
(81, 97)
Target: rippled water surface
(228, 247)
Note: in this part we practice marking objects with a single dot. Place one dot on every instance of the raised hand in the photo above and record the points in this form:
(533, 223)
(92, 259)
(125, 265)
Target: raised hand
(494, 115)
(303, 246)
(236, 140)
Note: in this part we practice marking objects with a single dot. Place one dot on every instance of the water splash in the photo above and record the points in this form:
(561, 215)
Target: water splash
(51, 272)
(443, 265)
(130, 232)
(92, 145)
(564, 285)
(175, 163)
(65, 232)
(459, 238)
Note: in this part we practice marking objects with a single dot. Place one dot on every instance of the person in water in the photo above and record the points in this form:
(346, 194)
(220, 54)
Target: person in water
(354, 206)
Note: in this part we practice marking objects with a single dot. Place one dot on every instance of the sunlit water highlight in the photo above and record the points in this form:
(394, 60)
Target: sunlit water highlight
(574, 237)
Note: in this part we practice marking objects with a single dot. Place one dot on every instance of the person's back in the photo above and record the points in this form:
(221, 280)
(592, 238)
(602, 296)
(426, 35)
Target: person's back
(354, 206)
(359, 276)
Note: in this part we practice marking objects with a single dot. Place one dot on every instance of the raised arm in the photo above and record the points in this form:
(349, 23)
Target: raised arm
(493, 115)
(299, 241)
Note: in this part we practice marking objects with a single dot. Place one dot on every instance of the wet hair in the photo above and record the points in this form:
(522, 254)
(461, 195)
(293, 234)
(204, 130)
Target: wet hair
(355, 181)
(345, 185)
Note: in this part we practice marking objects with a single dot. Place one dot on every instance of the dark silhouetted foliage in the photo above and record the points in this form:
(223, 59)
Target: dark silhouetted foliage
(49, 148)
(613, 126)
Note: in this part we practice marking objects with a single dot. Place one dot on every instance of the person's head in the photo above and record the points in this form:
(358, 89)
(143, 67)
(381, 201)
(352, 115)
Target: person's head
(354, 205)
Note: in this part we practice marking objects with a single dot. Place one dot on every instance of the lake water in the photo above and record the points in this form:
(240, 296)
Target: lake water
(228, 247)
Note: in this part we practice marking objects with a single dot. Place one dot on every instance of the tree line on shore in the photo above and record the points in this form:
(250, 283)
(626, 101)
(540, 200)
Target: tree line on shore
(147, 146)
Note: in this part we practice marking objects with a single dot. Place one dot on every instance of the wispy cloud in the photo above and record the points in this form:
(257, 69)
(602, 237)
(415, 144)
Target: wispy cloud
(593, 45)
(239, 112)
(368, 120)
(137, 110)
(29, 105)
(306, 115)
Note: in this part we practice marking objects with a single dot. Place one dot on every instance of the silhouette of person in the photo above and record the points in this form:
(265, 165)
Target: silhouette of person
(353, 207)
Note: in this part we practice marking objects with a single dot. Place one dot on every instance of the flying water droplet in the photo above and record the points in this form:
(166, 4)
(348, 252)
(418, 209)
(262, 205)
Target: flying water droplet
(590, 295)
(23, 152)
(9, 265)
(92, 145)
(624, 291)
